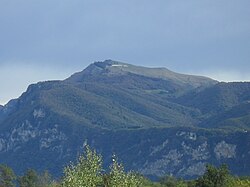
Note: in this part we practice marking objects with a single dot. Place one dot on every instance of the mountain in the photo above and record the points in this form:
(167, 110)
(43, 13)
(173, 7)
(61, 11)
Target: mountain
(157, 121)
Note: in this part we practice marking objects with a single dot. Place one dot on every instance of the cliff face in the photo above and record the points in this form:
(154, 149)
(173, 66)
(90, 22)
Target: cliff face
(182, 152)
(156, 121)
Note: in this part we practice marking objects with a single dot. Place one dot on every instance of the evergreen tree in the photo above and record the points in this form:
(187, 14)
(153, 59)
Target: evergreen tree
(29, 179)
(7, 176)
(214, 177)
(44, 179)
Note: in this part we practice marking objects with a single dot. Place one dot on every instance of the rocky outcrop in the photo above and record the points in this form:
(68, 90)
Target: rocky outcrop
(186, 154)
(225, 150)
(152, 152)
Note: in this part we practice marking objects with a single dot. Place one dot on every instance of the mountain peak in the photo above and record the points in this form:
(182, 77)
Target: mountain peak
(114, 68)
(109, 64)
(98, 68)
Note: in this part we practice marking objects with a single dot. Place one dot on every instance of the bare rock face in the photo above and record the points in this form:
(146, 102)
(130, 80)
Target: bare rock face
(39, 113)
(184, 156)
(196, 169)
(25, 133)
(153, 152)
(225, 150)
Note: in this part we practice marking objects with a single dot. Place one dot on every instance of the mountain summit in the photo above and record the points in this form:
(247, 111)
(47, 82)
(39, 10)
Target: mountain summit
(157, 121)
(115, 68)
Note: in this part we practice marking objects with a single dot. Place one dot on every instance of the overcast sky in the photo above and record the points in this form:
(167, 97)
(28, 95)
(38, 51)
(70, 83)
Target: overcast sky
(51, 39)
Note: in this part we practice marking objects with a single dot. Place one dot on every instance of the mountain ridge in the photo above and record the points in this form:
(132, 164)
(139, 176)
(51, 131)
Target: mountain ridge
(156, 126)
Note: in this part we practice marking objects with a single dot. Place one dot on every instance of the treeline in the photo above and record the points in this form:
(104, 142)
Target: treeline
(88, 172)
(30, 179)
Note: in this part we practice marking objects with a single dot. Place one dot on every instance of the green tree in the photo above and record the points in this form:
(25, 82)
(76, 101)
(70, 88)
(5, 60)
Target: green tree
(118, 177)
(214, 177)
(239, 182)
(7, 176)
(44, 179)
(87, 171)
(29, 179)
(171, 181)
(148, 183)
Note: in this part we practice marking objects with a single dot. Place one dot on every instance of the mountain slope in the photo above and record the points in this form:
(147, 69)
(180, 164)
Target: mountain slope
(8, 108)
(220, 97)
(158, 122)
(237, 117)
(222, 105)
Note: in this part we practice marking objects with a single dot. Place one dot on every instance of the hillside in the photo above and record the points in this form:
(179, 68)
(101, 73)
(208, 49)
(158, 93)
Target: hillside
(222, 105)
(157, 121)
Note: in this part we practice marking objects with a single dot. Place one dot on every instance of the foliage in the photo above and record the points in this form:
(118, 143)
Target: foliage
(7, 176)
(148, 183)
(118, 177)
(88, 168)
(239, 182)
(29, 179)
(32, 179)
(214, 177)
(87, 171)
(45, 180)
(171, 181)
